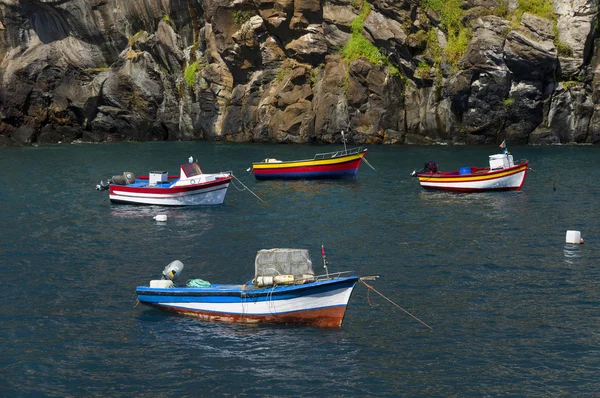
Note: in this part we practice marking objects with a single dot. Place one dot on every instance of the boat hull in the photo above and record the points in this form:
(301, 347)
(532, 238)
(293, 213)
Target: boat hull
(210, 193)
(509, 179)
(321, 303)
(341, 167)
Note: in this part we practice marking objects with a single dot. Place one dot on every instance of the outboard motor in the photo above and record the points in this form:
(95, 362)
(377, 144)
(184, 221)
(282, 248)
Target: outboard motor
(430, 167)
(103, 186)
(172, 271)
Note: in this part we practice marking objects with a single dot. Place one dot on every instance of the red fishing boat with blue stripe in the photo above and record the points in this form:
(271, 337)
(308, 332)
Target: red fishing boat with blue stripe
(190, 187)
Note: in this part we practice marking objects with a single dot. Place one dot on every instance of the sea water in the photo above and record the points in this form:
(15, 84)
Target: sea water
(514, 310)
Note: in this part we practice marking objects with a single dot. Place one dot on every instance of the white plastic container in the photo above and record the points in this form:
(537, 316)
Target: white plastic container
(283, 279)
(156, 177)
(161, 283)
(573, 237)
(262, 281)
(501, 161)
(161, 217)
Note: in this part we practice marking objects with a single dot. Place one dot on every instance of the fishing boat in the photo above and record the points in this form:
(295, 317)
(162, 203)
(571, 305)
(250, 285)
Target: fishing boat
(331, 165)
(503, 174)
(190, 187)
(284, 289)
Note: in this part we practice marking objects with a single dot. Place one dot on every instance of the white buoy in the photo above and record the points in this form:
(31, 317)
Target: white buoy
(573, 237)
(161, 217)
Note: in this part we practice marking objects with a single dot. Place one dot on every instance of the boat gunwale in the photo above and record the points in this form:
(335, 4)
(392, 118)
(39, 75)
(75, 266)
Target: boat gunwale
(321, 161)
(246, 290)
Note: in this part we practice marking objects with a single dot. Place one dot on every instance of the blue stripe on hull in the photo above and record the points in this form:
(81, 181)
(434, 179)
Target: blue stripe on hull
(215, 295)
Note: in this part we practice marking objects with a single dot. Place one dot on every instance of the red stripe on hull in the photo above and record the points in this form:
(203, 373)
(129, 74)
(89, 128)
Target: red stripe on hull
(323, 317)
(353, 165)
(469, 190)
(116, 189)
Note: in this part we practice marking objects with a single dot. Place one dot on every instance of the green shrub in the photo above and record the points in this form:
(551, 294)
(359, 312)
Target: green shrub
(568, 85)
(359, 47)
(501, 10)
(541, 8)
(422, 69)
(314, 75)
(458, 35)
(450, 12)
(166, 18)
(241, 17)
(562, 48)
(508, 102)
(97, 69)
(190, 73)
(281, 74)
(135, 37)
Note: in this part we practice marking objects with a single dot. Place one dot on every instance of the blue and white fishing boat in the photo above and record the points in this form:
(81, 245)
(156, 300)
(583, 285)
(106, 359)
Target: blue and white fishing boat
(284, 290)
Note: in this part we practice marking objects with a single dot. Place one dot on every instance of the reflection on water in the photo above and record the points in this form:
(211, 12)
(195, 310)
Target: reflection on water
(126, 211)
(271, 353)
(194, 221)
(572, 254)
(496, 206)
(275, 189)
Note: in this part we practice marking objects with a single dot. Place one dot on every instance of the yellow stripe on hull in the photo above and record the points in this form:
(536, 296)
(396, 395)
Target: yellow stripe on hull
(306, 163)
(474, 177)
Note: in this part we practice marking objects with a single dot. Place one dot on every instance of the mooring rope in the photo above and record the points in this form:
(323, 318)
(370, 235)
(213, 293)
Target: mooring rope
(554, 183)
(369, 164)
(248, 189)
(375, 290)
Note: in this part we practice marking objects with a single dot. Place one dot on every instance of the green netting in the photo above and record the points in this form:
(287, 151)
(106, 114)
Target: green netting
(198, 283)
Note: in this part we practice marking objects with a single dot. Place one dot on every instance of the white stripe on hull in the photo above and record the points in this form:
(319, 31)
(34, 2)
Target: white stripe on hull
(207, 196)
(250, 307)
(511, 181)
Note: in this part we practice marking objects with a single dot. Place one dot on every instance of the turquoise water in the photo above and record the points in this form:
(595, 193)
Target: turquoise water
(514, 310)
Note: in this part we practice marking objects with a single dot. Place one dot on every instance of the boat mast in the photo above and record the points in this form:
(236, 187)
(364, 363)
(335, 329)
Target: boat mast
(344, 141)
(325, 259)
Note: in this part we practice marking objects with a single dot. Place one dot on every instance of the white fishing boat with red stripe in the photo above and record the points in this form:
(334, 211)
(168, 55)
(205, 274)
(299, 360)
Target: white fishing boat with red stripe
(285, 289)
(191, 187)
(503, 174)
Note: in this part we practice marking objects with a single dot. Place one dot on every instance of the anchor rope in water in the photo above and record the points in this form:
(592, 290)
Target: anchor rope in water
(248, 189)
(369, 287)
(369, 164)
(554, 183)
(373, 168)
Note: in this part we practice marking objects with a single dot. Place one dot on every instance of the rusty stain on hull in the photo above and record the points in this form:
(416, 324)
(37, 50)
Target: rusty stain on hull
(322, 317)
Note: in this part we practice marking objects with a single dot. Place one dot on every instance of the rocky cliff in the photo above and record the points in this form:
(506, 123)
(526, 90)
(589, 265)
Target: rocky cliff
(300, 71)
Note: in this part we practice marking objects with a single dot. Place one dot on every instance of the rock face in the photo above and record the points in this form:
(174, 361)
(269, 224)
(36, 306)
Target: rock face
(273, 71)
